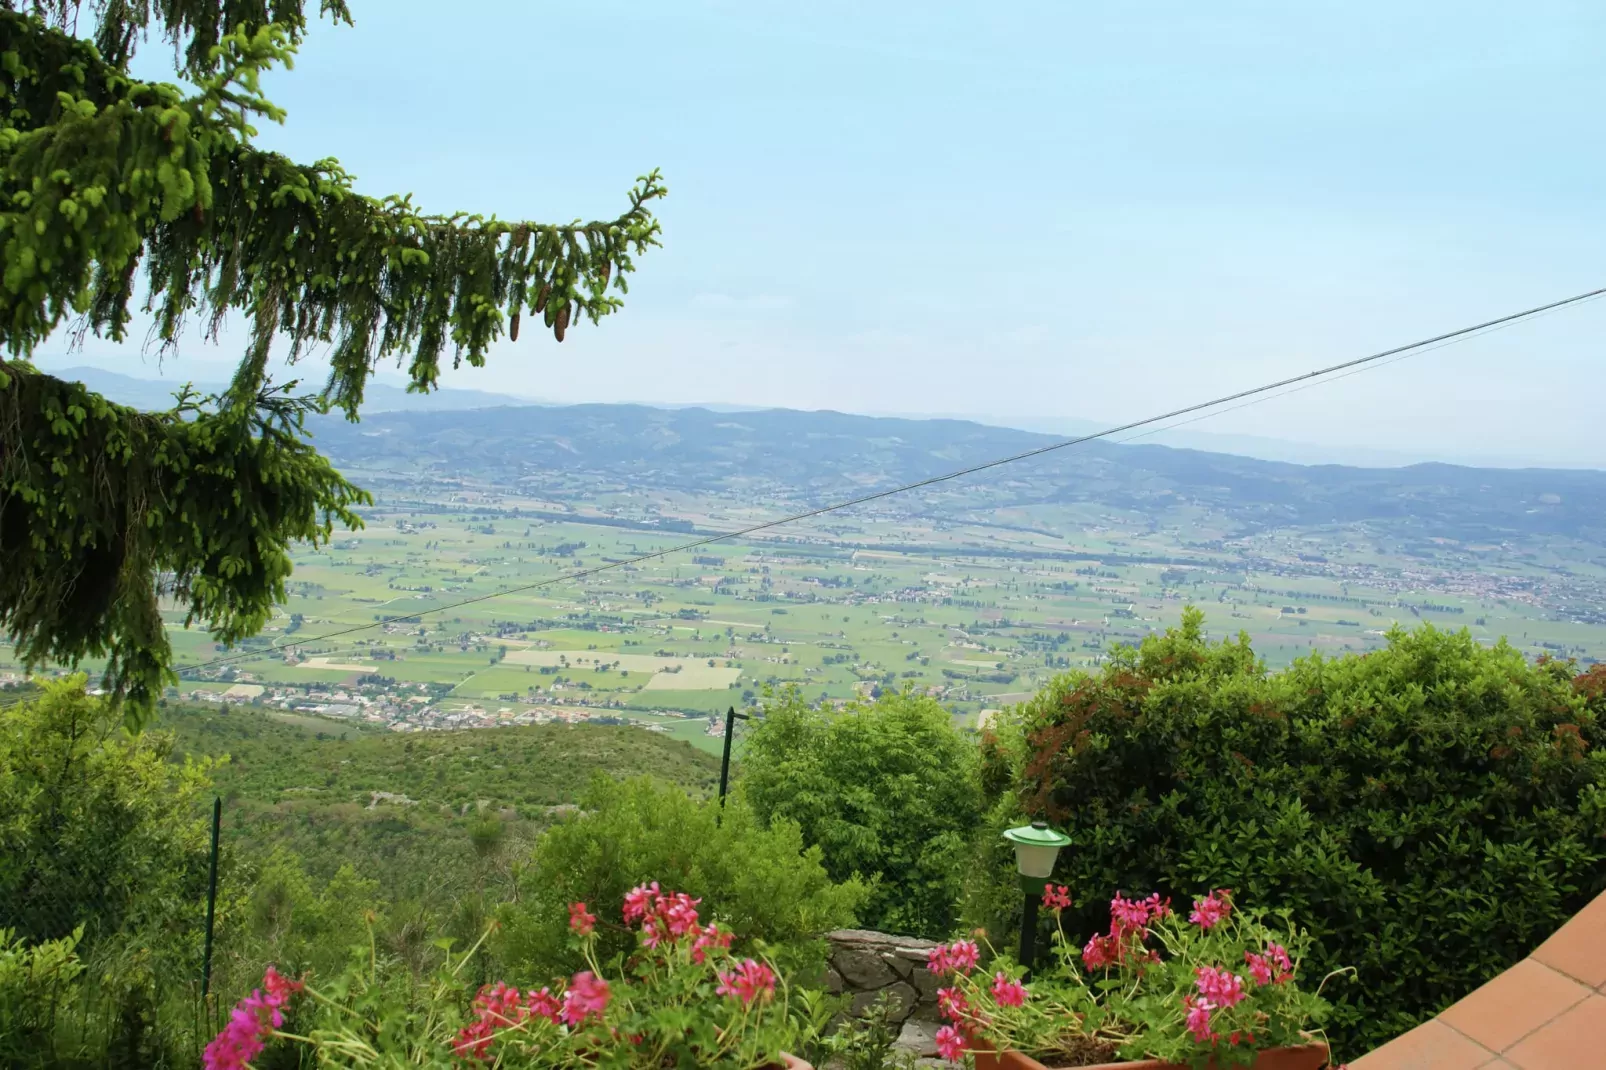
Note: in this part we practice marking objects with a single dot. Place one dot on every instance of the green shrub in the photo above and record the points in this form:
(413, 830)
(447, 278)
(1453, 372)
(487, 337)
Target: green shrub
(104, 840)
(38, 984)
(1431, 811)
(887, 790)
(761, 883)
(98, 828)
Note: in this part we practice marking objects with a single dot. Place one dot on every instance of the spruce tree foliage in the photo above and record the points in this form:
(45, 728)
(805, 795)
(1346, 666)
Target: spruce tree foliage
(111, 186)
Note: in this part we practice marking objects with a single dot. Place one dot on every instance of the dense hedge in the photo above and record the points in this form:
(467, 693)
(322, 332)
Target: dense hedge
(1431, 811)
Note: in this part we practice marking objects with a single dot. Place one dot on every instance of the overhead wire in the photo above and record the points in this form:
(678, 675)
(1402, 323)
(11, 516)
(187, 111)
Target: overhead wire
(1252, 395)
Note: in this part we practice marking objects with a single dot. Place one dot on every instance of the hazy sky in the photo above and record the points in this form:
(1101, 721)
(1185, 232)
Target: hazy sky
(1088, 210)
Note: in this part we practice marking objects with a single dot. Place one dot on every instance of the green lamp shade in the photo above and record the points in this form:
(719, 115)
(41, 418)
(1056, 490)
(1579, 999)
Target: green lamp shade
(1036, 847)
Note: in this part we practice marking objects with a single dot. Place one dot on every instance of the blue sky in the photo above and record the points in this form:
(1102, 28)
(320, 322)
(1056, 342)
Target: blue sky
(1035, 212)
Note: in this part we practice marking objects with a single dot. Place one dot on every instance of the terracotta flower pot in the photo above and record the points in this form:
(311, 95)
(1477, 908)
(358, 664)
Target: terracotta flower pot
(792, 1062)
(1303, 1057)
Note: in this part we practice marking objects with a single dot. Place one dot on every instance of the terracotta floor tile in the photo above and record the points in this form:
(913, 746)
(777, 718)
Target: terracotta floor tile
(1430, 1046)
(1579, 948)
(1514, 1004)
(1497, 1063)
(1575, 1041)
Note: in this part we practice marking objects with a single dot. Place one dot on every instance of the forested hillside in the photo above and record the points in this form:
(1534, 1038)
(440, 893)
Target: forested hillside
(413, 810)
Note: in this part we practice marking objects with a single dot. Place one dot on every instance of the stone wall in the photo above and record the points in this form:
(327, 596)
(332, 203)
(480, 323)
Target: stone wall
(865, 964)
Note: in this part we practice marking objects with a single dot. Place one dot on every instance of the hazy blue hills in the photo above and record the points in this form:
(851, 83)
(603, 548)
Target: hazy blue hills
(820, 456)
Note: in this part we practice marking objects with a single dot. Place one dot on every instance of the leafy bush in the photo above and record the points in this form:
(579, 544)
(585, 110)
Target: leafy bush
(1432, 810)
(887, 790)
(99, 827)
(103, 841)
(37, 983)
(755, 882)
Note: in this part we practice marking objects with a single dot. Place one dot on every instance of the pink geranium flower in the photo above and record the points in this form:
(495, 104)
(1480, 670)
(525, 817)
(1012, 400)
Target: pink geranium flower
(1134, 915)
(251, 1023)
(544, 1004)
(1057, 897)
(960, 956)
(580, 920)
(1212, 910)
(1101, 951)
(587, 996)
(951, 1044)
(1220, 987)
(952, 1005)
(1272, 968)
(639, 900)
(679, 913)
(709, 938)
(1198, 1018)
(1007, 992)
(748, 982)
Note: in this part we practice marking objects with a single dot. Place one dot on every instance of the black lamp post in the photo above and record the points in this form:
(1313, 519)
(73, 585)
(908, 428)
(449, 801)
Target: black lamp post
(1036, 848)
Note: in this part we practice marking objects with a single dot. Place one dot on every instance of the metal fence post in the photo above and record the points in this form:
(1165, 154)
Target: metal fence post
(211, 897)
(731, 717)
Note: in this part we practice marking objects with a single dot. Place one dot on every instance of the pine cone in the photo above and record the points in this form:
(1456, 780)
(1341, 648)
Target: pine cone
(540, 298)
(563, 322)
(513, 328)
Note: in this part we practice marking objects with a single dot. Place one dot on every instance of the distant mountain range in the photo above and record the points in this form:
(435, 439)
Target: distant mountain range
(390, 396)
(827, 455)
(821, 456)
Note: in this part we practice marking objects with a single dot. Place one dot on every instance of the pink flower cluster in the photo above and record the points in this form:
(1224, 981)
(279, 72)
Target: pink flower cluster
(1007, 992)
(1272, 968)
(580, 920)
(709, 937)
(952, 1005)
(951, 1044)
(1134, 915)
(668, 916)
(587, 996)
(748, 982)
(253, 1020)
(1218, 990)
(1212, 910)
(960, 956)
(501, 1006)
(1128, 918)
(1057, 897)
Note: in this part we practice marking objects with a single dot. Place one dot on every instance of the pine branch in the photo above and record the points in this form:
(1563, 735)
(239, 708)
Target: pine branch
(106, 511)
(99, 171)
(192, 27)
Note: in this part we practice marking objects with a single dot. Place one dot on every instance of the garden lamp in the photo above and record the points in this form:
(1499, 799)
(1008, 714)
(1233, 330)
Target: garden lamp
(1036, 848)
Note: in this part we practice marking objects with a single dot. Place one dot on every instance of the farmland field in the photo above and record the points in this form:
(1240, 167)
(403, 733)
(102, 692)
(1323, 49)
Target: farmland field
(457, 604)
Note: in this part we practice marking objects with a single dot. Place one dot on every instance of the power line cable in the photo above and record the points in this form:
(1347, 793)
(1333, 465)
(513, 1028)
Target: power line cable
(1354, 371)
(1411, 348)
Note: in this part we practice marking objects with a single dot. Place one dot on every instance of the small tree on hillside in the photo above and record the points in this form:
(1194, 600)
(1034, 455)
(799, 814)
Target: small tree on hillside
(888, 791)
(105, 510)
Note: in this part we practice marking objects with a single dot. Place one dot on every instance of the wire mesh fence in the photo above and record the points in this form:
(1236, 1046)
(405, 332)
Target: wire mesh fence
(101, 965)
